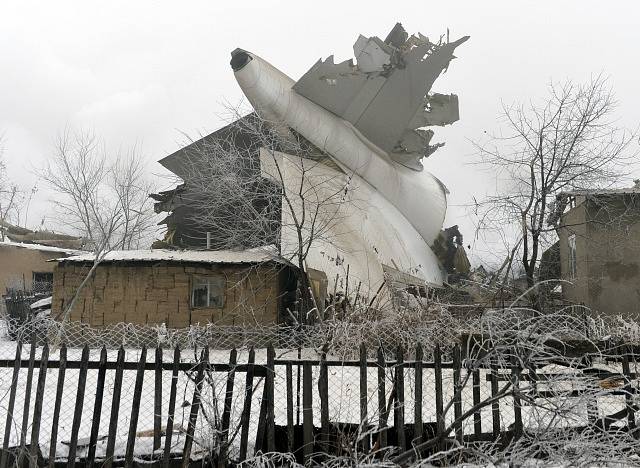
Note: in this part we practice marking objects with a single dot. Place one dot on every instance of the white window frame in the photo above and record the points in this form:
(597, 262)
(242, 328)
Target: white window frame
(209, 282)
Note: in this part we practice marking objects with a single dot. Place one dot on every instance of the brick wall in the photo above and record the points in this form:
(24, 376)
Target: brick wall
(161, 293)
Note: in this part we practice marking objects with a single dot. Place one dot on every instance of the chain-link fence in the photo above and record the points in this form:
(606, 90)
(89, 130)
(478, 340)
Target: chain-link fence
(500, 372)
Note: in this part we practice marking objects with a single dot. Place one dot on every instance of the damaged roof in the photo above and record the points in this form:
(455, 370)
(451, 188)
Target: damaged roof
(261, 255)
(386, 93)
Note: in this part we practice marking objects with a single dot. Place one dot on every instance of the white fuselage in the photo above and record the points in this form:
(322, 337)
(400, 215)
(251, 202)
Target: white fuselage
(419, 196)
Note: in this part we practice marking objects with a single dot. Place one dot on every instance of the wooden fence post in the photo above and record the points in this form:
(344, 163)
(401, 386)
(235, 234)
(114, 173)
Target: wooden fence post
(157, 400)
(57, 405)
(307, 411)
(364, 397)
(37, 409)
(517, 408)
(477, 416)
(27, 402)
(417, 416)
(195, 407)
(457, 397)
(135, 408)
(437, 358)
(77, 414)
(172, 408)
(115, 408)
(226, 412)
(399, 406)
(382, 400)
(290, 431)
(10, 406)
(97, 408)
(628, 389)
(266, 423)
(246, 411)
(323, 393)
(495, 405)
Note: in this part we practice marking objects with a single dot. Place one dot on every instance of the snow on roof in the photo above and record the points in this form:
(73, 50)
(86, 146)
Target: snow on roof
(193, 256)
(40, 247)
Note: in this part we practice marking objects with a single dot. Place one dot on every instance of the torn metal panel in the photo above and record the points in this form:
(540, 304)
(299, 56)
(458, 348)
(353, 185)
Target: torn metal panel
(357, 233)
(385, 95)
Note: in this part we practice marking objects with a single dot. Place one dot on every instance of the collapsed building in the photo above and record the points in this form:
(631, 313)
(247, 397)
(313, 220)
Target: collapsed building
(359, 129)
(325, 175)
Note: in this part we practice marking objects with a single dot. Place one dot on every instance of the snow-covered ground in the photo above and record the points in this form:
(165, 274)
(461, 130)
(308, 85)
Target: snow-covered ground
(344, 403)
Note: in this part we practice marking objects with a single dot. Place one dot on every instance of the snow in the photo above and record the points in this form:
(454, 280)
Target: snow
(41, 303)
(198, 256)
(40, 247)
(344, 399)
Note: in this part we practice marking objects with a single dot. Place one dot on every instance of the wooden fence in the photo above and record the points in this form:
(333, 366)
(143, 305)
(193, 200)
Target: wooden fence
(303, 438)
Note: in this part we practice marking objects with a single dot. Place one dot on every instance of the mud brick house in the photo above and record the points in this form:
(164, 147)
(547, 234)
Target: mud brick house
(26, 267)
(599, 248)
(177, 288)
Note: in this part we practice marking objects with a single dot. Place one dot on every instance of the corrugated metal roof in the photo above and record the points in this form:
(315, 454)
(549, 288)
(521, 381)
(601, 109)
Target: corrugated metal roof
(189, 256)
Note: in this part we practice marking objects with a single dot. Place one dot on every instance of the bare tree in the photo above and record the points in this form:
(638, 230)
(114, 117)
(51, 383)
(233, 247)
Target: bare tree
(10, 195)
(568, 142)
(105, 202)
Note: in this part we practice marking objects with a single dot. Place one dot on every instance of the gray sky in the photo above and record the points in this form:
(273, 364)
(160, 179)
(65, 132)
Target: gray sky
(143, 72)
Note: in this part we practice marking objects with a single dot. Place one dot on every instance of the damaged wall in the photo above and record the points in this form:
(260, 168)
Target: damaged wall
(607, 230)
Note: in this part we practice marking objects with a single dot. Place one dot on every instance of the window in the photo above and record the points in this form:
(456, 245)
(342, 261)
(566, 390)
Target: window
(573, 267)
(207, 291)
(42, 282)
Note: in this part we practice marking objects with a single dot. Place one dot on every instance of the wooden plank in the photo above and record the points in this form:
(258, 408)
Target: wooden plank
(417, 413)
(631, 414)
(271, 414)
(246, 410)
(226, 412)
(195, 408)
(495, 405)
(517, 405)
(27, 403)
(457, 396)
(364, 398)
(172, 407)
(10, 406)
(477, 417)
(307, 412)
(259, 370)
(57, 405)
(157, 400)
(77, 412)
(437, 358)
(323, 393)
(399, 406)
(115, 409)
(382, 400)
(135, 409)
(37, 408)
(336, 363)
(97, 408)
(290, 431)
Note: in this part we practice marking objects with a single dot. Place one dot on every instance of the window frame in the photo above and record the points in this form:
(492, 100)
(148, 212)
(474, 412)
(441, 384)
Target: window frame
(208, 280)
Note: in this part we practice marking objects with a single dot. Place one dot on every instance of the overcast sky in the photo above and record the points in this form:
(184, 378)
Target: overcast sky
(144, 72)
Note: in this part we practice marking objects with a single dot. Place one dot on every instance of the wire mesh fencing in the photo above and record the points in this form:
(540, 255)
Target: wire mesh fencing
(392, 390)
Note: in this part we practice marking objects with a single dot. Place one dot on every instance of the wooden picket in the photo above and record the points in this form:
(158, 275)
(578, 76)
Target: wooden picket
(307, 441)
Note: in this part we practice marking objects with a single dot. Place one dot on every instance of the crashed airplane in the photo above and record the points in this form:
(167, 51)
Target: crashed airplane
(369, 118)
